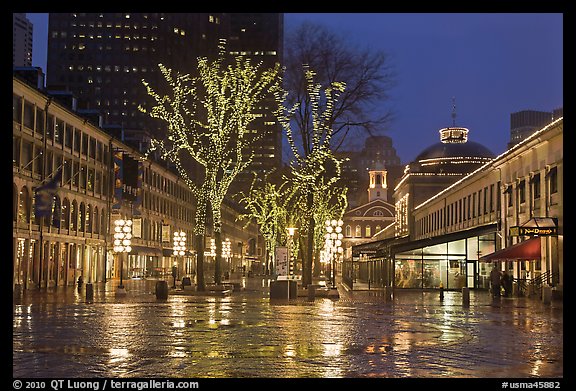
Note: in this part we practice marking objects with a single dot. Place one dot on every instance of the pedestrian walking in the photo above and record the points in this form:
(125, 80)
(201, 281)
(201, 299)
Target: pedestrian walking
(495, 278)
(506, 283)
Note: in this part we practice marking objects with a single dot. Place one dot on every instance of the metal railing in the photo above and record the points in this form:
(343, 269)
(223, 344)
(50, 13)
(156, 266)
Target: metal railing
(535, 284)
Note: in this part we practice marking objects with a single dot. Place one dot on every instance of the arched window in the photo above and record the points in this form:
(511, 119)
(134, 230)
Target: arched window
(96, 221)
(368, 231)
(378, 229)
(24, 206)
(15, 201)
(358, 232)
(378, 179)
(348, 231)
(103, 222)
(89, 219)
(56, 212)
(74, 216)
(65, 214)
(82, 221)
(378, 213)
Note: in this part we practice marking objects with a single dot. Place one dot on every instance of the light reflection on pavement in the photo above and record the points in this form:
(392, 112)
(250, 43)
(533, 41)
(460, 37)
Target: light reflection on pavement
(58, 334)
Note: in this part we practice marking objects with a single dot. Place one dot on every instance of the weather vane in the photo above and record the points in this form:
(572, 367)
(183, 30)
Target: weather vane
(453, 111)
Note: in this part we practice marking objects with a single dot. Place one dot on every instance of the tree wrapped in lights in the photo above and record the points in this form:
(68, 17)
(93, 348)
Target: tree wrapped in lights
(329, 206)
(208, 119)
(267, 205)
(315, 169)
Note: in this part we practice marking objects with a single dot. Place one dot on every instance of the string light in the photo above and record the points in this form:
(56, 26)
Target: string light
(316, 189)
(209, 118)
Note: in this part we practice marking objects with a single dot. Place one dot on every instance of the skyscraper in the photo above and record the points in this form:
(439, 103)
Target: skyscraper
(259, 37)
(524, 123)
(103, 57)
(22, 30)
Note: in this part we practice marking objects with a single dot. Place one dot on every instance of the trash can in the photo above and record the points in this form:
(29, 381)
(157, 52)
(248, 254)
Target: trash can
(161, 290)
(186, 281)
(283, 289)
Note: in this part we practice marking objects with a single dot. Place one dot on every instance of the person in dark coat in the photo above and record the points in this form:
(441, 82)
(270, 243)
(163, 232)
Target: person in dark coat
(495, 279)
(507, 284)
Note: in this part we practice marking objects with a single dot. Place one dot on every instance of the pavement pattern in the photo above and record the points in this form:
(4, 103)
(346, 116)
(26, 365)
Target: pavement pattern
(57, 333)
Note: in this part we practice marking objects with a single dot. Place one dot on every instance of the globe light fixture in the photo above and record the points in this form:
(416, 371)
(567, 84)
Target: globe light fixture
(333, 245)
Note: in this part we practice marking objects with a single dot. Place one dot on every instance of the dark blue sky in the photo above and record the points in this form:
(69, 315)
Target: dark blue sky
(494, 64)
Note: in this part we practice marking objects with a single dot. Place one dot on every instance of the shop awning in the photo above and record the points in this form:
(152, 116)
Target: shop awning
(526, 250)
(143, 250)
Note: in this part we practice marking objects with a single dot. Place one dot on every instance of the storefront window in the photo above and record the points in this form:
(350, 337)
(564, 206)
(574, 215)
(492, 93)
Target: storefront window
(24, 206)
(409, 273)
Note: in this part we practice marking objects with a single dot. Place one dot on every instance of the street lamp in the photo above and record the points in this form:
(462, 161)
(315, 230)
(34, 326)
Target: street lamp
(333, 244)
(122, 245)
(227, 251)
(179, 249)
(291, 232)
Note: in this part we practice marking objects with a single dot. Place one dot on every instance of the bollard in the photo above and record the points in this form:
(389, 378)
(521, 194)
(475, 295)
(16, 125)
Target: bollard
(388, 293)
(17, 291)
(311, 292)
(162, 290)
(465, 297)
(441, 291)
(89, 292)
(546, 294)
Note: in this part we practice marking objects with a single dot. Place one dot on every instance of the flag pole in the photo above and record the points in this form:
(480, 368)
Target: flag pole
(44, 162)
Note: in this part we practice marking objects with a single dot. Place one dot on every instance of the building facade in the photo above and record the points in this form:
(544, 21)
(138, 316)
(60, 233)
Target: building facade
(377, 151)
(524, 123)
(102, 180)
(22, 34)
(460, 233)
(103, 57)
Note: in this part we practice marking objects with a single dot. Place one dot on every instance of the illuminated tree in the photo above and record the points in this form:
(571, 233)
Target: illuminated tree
(329, 206)
(209, 119)
(315, 169)
(368, 75)
(267, 206)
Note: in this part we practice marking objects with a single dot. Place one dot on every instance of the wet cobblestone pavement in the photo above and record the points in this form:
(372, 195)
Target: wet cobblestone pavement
(245, 335)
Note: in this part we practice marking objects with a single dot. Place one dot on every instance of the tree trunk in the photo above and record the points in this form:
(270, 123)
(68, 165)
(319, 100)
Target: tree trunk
(200, 284)
(218, 265)
(317, 265)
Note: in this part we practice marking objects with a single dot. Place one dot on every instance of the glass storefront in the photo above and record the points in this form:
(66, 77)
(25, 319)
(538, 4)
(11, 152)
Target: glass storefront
(451, 265)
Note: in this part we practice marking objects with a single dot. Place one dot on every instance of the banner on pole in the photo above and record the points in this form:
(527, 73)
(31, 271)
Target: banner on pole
(44, 196)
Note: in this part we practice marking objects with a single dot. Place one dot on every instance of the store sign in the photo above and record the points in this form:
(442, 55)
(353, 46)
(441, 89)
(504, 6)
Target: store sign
(166, 233)
(137, 227)
(281, 261)
(533, 231)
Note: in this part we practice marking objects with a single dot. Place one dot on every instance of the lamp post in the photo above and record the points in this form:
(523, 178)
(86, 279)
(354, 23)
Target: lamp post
(122, 245)
(291, 232)
(333, 245)
(178, 249)
(227, 252)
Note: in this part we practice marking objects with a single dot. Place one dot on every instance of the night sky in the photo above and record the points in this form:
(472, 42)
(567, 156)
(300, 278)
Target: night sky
(493, 64)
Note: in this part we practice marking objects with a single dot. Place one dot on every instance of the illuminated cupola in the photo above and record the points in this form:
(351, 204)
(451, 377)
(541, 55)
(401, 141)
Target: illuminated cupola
(454, 154)
(453, 135)
(378, 188)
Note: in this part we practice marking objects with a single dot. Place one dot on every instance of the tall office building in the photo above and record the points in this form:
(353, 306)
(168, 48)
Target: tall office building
(259, 37)
(22, 30)
(378, 151)
(103, 57)
(524, 123)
